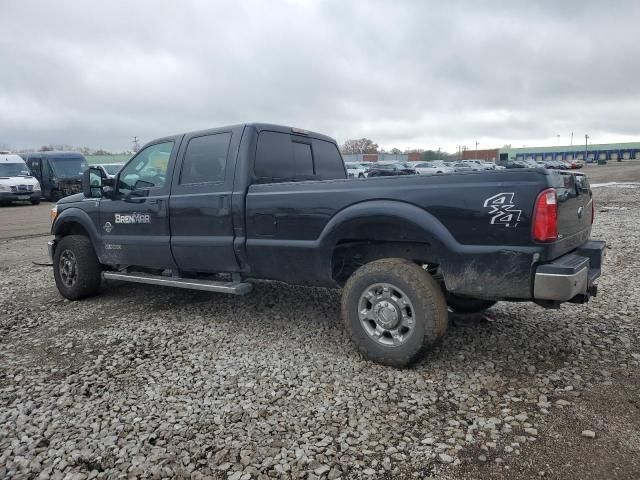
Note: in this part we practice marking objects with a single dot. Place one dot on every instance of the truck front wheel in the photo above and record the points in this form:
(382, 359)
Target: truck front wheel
(393, 310)
(76, 268)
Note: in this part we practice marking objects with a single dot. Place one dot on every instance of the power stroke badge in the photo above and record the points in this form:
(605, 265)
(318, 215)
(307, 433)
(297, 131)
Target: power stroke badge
(132, 218)
(502, 209)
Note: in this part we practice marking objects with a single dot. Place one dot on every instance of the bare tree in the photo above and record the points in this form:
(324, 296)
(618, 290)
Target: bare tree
(360, 145)
(395, 151)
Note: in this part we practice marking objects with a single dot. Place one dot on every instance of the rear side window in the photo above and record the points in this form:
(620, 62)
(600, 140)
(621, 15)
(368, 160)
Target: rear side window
(284, 157)
(205, 159)
(329, 165)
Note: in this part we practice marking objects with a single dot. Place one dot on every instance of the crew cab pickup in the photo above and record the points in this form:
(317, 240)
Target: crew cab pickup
(213, 209)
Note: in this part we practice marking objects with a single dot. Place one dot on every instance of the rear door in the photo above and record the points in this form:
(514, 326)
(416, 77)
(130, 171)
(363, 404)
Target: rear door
(200, 205)
(135, 222)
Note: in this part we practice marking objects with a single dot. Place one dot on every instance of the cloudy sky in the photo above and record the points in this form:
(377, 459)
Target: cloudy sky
(404, 73)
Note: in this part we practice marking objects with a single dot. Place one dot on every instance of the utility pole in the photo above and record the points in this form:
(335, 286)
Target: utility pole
(586, 138)
(477, 149)
(439, 157)
(136, 145)
(571, 137)
(558, 135)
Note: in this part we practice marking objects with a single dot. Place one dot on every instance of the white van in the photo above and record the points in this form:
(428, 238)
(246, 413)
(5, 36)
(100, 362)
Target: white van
(16, 182)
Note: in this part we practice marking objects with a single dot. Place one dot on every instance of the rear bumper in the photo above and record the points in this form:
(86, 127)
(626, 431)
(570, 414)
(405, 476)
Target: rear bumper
(572, 276)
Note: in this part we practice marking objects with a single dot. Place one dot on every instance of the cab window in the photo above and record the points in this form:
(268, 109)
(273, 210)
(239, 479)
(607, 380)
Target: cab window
(147, 170)
(205, 160)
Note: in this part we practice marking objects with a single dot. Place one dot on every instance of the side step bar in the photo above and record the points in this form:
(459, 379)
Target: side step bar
(235, 288)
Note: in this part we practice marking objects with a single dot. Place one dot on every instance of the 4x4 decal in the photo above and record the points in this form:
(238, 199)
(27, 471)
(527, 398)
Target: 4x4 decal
(503, 210)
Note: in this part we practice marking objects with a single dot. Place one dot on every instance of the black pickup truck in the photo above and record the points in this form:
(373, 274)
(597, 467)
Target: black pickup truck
(212, 209)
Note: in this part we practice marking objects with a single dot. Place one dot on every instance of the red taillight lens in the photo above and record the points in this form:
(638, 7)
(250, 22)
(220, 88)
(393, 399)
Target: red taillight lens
(545, 216)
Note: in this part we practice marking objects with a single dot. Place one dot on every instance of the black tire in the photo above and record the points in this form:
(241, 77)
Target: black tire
(429, 310)
(468, 305)
(35, 201)
(81, 279)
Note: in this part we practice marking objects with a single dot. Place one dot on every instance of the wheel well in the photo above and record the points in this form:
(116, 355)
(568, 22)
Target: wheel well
(349, 255)
(72, 228)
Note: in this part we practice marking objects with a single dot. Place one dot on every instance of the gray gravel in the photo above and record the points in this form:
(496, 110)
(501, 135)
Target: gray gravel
(154, 382)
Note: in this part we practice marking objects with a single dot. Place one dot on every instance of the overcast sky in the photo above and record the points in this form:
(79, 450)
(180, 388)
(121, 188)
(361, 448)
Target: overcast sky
(405, 74)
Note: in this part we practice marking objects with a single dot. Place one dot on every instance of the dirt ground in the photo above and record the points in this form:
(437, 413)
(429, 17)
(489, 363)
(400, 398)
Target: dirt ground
(149, 382)
(24, 220)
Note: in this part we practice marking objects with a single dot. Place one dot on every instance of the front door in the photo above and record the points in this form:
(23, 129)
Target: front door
(35, 165)
(200, 205)
(135, 222)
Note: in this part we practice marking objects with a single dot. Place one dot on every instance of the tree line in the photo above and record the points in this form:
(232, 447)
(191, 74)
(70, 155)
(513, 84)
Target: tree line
(366, 145)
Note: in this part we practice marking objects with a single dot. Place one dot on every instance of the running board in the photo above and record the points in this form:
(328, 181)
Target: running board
(235, 288)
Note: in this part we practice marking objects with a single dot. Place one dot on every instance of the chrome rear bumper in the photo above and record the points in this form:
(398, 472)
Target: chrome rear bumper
(572, 276)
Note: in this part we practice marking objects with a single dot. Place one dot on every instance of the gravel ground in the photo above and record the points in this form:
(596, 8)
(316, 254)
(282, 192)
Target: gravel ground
(150, 382)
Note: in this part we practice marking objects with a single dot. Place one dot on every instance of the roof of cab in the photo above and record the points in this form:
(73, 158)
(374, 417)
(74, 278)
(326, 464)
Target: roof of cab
(53, 153)
(264, 127)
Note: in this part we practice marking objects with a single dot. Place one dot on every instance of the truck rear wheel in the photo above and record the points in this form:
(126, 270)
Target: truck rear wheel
(76, 268)
(393, 310)
(468, 305)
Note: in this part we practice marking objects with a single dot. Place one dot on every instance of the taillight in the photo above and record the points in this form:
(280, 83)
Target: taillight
(545, 216)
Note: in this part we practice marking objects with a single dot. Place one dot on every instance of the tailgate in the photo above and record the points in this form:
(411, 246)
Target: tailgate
(574, 202)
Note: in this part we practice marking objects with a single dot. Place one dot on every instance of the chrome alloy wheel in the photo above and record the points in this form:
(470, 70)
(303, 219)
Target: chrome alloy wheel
(68, 268)
(386, 314)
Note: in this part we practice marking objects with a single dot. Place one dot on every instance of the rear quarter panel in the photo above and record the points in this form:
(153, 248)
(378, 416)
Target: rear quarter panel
(286, 223)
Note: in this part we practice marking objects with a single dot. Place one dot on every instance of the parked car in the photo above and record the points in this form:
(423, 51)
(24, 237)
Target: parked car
(59, 173)
(475, 164)
(523, 164)
(109, 170)
(271, 202)
(575, 164)
(464, 167)
(355, 170)
(488, 165)
(16, 182)
(380, 169)
(431, 168)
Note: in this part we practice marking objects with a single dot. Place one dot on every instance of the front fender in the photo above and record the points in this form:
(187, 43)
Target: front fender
(77, 216)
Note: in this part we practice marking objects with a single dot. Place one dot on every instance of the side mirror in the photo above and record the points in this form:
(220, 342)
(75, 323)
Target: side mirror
(92, 182)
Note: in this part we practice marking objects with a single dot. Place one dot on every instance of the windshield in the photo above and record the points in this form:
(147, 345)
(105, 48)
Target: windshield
(69, 167)
(13, 170)
(112, 169)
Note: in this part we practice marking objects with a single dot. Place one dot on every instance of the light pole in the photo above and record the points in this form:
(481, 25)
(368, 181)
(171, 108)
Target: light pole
(477, 149)
(558, 135)
(586, 138)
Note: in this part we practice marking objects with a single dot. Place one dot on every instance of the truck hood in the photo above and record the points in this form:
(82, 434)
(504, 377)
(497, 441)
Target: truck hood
(77, 197)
